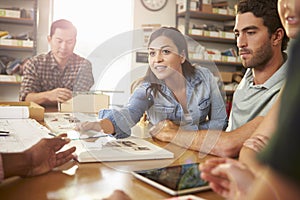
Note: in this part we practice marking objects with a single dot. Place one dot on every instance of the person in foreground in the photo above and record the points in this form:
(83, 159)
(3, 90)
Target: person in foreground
(261, 136)
(261, 40)
(38, 159)
(172, 89)
(278, 176)
(52, 77)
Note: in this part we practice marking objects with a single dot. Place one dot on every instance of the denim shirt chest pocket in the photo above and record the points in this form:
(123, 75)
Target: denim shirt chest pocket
(203, 107)
(159, 112)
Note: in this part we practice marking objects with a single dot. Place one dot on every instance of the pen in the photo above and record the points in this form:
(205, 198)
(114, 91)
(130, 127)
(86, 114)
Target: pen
(52, 134)
(91, 137)
(83, 137)
(4, 133)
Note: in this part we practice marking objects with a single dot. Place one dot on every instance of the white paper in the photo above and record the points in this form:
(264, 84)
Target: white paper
(23, 134)
(14, 112)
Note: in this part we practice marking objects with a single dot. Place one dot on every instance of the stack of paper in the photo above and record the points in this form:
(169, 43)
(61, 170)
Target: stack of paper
(14, 112)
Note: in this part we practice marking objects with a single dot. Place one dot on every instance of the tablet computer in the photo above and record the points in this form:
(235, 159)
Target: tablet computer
(175, 180)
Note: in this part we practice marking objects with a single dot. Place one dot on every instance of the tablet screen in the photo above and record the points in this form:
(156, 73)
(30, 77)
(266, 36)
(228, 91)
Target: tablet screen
(180, 179)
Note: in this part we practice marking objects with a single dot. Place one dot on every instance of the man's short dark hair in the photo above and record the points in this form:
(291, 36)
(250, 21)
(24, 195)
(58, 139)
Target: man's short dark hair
(62, 24)
(267, 10)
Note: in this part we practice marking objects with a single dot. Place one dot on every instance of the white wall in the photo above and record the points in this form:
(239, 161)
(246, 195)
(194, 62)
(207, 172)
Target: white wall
(165, 17)
(43, 26)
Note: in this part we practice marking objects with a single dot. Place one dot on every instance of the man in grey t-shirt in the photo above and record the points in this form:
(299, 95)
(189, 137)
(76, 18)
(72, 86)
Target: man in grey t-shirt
(251, 100)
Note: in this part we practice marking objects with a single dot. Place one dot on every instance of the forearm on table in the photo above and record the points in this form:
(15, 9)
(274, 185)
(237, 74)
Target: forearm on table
(266, 130)
(39, 98)
(217, 142)
(214, 142)
(15, 164)
(189, 139)
(107, 126)
(230, 143)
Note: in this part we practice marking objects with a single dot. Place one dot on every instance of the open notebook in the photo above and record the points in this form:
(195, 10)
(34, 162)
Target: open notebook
(111, 149)
(23, 133)
(94, 146)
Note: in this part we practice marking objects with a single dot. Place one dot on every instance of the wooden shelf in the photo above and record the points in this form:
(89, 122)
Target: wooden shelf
(213, 39)
(187, 19)
(13, 48)
(217, 62)
(10, 83)
(207, 16)
(27, 24)
(11, 20)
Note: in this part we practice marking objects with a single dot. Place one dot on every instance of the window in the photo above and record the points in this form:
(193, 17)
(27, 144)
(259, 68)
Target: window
(98, 22)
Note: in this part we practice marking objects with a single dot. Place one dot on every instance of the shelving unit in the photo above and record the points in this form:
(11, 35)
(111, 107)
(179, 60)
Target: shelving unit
(16, 48)
(188, 16)
(210, 39)
(17, 25)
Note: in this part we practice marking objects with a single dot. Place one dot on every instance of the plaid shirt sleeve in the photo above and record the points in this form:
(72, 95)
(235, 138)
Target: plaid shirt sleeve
(85, 79)
(29, 80)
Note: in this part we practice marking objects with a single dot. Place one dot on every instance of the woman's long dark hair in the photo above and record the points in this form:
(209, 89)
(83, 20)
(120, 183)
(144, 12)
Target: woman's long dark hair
(178, 39)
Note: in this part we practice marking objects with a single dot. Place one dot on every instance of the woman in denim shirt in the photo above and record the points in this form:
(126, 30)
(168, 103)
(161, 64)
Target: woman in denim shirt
(171, 89)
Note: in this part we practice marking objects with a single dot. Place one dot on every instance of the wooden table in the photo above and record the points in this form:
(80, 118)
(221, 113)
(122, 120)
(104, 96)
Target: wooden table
(98, 180)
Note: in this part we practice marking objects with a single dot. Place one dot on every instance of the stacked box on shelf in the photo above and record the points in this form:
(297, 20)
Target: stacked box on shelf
(10, 13)
(226, 76)
(18, 43)
(196, 32)
(207, 8)
(194, 5)
(228, 58)
(211, 33)
(227, 35)
(214, 55)
(221, 11)
(219, 34)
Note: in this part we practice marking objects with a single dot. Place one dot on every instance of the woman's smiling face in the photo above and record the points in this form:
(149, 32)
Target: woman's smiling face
(164, 59)
(287, 10)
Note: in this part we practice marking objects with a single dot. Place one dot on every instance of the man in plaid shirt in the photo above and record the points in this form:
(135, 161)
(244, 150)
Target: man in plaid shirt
(52, 77)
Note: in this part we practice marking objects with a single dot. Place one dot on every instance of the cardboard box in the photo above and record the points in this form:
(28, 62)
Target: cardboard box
(85, 103)
(35, 111)
(237, 76)
(207, 8)
(226, 76)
